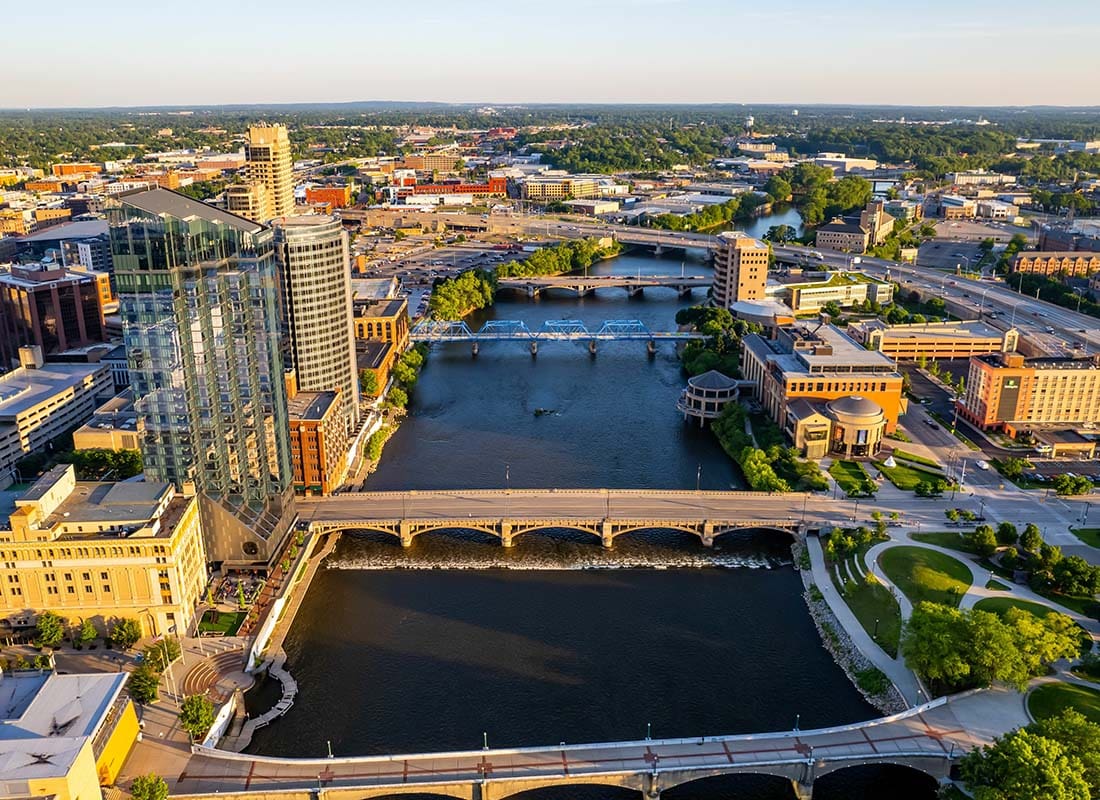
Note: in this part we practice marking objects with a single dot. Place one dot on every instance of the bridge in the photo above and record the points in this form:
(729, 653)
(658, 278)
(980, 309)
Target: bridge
(583, 285)
(556, 330)
(658, 239)
(926, 738)
(605, 514)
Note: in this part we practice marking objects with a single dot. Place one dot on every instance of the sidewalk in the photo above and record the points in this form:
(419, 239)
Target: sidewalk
(895, 669)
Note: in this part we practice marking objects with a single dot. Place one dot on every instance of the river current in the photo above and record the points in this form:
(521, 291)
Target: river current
(556, 639)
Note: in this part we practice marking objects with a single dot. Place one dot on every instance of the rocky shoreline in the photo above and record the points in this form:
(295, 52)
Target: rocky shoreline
(601, 560)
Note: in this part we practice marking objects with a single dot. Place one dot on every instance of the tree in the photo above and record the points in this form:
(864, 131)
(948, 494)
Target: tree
(1032, 538)
(368, 382)
(196, 715)
(779, 234)
(934, 643)
(1024, 766)
(125, 633)
(984, 540)
(1013, 467)
(87, 633)
(161, 653)
(50, 629)
(144, 684)
(1077, 736)
(832, 308)
(1074, 575)
(1006, 533)
(149, 787)
(397, 397)
(1072, 484)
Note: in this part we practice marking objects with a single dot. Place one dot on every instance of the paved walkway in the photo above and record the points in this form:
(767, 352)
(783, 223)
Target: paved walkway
(978, 577)
(895, 669)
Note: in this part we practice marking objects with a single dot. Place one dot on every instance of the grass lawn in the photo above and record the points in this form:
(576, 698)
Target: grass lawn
(765, 431)
(227, 622)
(924, 574)
(1090, 536)
(906, 477)
(996, 586)
(999, 605)
(850, 476)
(1052, 698)
(1082, 605)
(954, 540)
(907, 456)
(871, 602)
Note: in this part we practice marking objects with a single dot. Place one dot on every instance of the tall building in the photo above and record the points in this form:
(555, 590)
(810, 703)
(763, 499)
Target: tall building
(248, 200)
(268, 162)
(199, 301)
(740, 268)
(315, 276)
(1008, 392)
(53, 308)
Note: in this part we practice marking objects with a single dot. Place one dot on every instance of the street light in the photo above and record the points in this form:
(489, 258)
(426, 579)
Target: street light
(698, 476)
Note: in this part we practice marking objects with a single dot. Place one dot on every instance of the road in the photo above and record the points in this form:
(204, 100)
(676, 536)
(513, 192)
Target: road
(817, 510)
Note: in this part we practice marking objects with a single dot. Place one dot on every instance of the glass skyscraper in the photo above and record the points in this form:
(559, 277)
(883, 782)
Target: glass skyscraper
(199, 301)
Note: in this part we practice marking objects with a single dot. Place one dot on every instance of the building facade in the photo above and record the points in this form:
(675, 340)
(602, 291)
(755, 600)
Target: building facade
(114, 426)
(103, 551)
(842, 236)
(54, 309)
(933, 340)
(248, 200)
(1072, 263)
(846, 289)
(198, 297)
(318, 442)
(818, 363)
(315, 276)
(740, 269)
(269, 161)
(383, 321)
(1005, 391)
(40, 402)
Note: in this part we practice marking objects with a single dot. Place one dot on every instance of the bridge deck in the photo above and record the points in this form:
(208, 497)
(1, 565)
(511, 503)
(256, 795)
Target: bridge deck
(937, 731)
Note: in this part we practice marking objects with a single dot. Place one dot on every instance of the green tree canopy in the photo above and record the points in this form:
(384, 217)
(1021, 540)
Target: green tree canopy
(50, 629)
(149, 787)
(1024, 766)
(196, 715)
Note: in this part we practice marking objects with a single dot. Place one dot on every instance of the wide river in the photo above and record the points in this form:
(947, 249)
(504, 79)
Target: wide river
(392, 660)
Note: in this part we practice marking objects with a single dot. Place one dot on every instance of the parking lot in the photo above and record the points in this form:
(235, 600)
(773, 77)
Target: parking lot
(949, 255)
(976, 230)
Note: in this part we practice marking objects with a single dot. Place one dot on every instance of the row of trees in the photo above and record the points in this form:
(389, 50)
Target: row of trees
(564, 257)
(819, 197)
(721, 350)
(955, 649)
(51, 630)
(456, 297)
(775, 469)
(739, 209)
(406, 372)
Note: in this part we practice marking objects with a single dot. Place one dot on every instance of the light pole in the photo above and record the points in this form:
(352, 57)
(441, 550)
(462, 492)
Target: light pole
(1012, 322)
(698, 476)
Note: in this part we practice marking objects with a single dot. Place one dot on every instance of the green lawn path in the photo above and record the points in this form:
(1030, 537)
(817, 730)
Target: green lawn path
(1053, 698)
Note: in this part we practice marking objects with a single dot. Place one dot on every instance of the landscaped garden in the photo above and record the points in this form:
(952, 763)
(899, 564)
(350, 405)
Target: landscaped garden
(953, 540)
(852, 478)
(221, 623)
(926, 575)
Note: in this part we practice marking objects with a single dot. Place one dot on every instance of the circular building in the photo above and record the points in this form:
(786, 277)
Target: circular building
(858, 426)
(706, 395)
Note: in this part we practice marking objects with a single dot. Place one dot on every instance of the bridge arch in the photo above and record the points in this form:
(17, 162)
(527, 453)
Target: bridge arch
(621, 789)
(890, 773)
(734, 529)
(519, 530)
(756, 783)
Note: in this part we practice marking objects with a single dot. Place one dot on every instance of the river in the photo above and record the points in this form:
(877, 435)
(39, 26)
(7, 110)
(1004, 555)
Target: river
(391, 660)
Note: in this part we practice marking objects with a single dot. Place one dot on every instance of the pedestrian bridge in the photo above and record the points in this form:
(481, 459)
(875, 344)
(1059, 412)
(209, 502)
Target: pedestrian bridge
(583, 285)
(508, 513)
(555, 330)
(926, 738)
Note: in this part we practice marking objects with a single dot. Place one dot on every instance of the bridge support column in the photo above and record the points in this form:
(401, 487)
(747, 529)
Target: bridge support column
(506, 533)
(708, 534)
(683, 291)
(531, 290)
(803, 791)
(474, 349)
(592, 347)
(406, 533)
(652, 789)
(651, 348)
(606, 537)
(631, 291)
(660, 251)
(534, 349)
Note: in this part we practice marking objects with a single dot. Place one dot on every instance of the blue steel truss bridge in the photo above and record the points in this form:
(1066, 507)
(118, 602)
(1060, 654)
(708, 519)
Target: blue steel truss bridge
(555, 330)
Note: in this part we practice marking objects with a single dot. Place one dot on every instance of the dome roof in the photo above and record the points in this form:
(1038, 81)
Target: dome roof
(712, 379)
(854, 406)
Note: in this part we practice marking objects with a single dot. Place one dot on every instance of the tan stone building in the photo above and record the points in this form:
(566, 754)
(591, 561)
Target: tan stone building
(103, 551)
(933, 340)
(1005, 391)
(248, 200)
(114, 426)
(270, 164)
(740, 269)
(842, 236)
(1075, 264)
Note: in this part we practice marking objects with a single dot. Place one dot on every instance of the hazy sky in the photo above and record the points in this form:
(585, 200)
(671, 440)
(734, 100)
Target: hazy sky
(937, 52)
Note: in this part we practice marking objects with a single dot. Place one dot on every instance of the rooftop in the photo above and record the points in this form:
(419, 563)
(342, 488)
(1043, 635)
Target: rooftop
(84, 229)
(311, 405)
(22, 389)
(164, 201)
(931, 330)
(370, 355)
(379, 308)
(45, 720)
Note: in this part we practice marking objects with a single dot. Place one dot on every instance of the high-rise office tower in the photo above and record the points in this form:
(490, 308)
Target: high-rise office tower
(315, 276)
(268, 161)
(199, 300)
(740, 268)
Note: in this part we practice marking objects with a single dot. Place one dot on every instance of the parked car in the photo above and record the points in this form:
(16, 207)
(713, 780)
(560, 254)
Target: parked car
(982, 465)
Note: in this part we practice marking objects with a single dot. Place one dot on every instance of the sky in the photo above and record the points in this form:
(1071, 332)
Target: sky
(201, 52)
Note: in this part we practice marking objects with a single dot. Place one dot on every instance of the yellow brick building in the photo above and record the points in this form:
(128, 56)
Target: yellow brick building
(103, 551)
